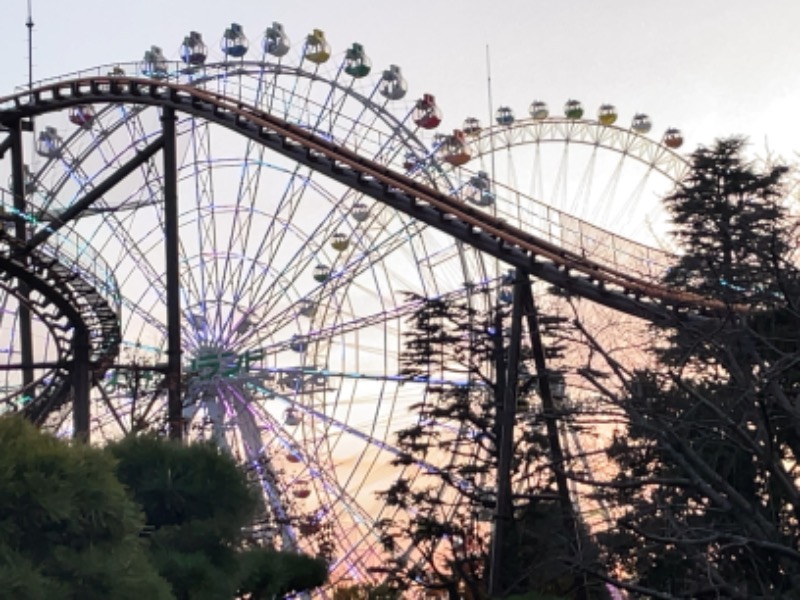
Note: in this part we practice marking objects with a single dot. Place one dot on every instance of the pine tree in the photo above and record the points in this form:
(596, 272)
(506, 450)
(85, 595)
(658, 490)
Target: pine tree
(706, 486)
(730, 224)
(197, 504)
(67, 526)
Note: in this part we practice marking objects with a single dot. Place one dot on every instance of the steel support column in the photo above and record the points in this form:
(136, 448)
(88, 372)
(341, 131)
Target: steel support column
(557, 457)
(18, 185)
(173, 373)
(81, 374)
(506, 417)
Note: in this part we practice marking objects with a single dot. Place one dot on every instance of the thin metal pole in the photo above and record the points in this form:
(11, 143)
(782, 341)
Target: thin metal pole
(491, 116)
(506, 417)
(18, 185)
(29, 25)
(173, 374)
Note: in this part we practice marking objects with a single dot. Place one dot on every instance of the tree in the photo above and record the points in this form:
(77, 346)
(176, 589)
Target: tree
(197, 503)
(269, 574)
(67, 526)
(447, 493)
(730, 224)
(707, 470)
(367, 592)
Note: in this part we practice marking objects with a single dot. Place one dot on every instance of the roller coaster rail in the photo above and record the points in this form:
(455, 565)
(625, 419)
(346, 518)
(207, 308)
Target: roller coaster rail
(79, 308)
(544, 260)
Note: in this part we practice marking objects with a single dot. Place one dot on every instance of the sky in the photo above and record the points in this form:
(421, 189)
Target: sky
(712, 68)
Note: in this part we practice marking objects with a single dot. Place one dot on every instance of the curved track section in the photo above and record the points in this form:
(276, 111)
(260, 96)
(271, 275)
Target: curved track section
(66, 298)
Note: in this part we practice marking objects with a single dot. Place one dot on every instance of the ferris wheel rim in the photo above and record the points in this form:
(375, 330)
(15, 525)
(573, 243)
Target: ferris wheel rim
(615, 138)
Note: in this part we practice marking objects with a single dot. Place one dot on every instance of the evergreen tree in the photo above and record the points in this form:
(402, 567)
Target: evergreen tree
(730, 226)
(706, 487)
(68, 529)
(197, 504)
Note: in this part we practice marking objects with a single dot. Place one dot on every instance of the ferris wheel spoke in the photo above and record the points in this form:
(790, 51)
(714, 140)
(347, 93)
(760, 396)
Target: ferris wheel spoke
(351, 281)
(318, 424)
(321, 427)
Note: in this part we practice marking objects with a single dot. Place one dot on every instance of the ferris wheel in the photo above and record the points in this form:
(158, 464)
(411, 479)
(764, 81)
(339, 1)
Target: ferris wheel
(293, 288)
(570, 172)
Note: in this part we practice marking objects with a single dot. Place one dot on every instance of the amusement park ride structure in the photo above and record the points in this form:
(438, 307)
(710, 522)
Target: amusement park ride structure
(68, 249)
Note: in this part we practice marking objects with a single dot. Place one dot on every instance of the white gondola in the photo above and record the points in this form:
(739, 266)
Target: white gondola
(478, 190)
(393, 85)
(471, 126)
(360, 212)
(49, 143)
(154, 63)
(641, 123)
(307, 308)
(276, 42)
(538, 110)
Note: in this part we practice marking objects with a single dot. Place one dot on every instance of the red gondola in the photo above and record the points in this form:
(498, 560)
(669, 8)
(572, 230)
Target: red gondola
(82, 115)
(301, 489)
(426, 114)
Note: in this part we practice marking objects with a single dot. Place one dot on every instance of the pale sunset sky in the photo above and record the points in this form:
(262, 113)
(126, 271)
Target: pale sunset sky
(712, 68)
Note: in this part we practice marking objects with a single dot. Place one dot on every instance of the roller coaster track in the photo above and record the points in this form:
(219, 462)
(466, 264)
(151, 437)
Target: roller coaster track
(68, 297)
(568, 270)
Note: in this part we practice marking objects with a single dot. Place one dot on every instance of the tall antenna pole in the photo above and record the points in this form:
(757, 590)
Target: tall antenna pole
(491, 108)
(29, 25)
(489, 81)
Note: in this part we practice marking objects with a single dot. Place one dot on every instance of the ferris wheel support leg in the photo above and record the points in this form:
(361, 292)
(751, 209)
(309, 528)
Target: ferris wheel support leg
(551, 424)
(506, 389)
(20, 231)
(172, 248)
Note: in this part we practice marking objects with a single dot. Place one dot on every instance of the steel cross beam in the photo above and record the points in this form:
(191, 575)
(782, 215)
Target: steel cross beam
(506, 407)
(96, 193)
(557, 456)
